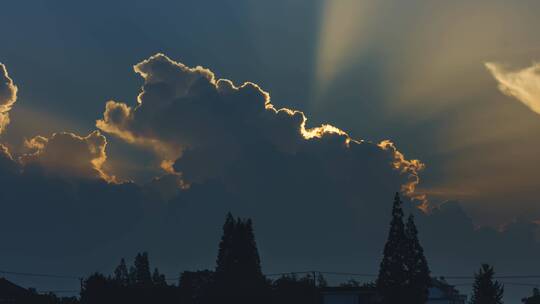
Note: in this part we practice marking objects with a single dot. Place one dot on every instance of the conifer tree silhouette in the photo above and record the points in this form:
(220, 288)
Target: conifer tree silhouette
(485, 289)
(392, 279)
(238, 277)
(142, 270)
(121, 275)
(417, 268)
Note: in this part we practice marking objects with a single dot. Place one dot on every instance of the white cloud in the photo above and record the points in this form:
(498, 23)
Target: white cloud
(524, 84)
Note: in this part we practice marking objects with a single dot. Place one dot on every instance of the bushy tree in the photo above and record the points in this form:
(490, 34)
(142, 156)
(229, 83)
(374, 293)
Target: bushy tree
(135, 287)
(97, 289)
(485, 289)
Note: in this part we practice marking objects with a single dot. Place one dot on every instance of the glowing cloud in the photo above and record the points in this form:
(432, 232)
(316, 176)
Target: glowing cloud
(524, 84)
(203, 128)
(8, 96)
(69, 155)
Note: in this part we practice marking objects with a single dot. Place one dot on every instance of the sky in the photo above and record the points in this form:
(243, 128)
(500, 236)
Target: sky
(131, 126)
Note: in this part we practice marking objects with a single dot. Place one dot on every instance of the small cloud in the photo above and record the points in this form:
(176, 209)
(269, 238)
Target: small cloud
(524, 84)
(70, 155)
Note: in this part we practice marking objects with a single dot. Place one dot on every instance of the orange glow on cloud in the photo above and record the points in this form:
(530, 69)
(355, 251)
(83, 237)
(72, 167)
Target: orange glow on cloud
(70, 155)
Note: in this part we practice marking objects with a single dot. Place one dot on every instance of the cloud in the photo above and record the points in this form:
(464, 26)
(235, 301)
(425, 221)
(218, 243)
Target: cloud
(8, 96)
(204, 128)
(69, 155)
(523, 84)
(59, 192)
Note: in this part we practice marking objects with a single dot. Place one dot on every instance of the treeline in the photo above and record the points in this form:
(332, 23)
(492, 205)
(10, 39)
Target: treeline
(237, 278)
(404, 276)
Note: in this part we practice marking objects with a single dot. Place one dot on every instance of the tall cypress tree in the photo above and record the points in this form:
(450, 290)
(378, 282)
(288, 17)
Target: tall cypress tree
(392, 279)
(238, 277)
(142, 270)
(225, 258)
(416, 266)
(485, 289)
(247, 246)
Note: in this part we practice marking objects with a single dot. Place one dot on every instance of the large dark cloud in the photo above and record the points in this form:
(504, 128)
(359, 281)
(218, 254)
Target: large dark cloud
(208, 128)
(234, 151)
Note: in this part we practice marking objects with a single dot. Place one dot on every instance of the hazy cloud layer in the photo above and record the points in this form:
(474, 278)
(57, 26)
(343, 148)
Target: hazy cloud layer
(523, 84)
(8, 96)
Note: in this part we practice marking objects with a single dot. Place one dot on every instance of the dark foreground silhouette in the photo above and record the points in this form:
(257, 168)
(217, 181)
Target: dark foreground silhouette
(404, 277)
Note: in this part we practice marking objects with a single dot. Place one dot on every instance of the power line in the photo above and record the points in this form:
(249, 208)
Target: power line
(535, 276)
(350, 274)
(504, 283)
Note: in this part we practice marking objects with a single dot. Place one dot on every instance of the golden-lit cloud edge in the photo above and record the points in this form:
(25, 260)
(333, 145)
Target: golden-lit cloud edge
(8, 96)
(69, 155)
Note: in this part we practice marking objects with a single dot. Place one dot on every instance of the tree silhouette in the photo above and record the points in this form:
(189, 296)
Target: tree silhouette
(142, 270)
(132, 275)
(225, 259)
(238, 277)
(416, 266)
(121, 275)
(135, 287)
(97, 289)
(158, 279)
(392, 279)
(485, 290)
